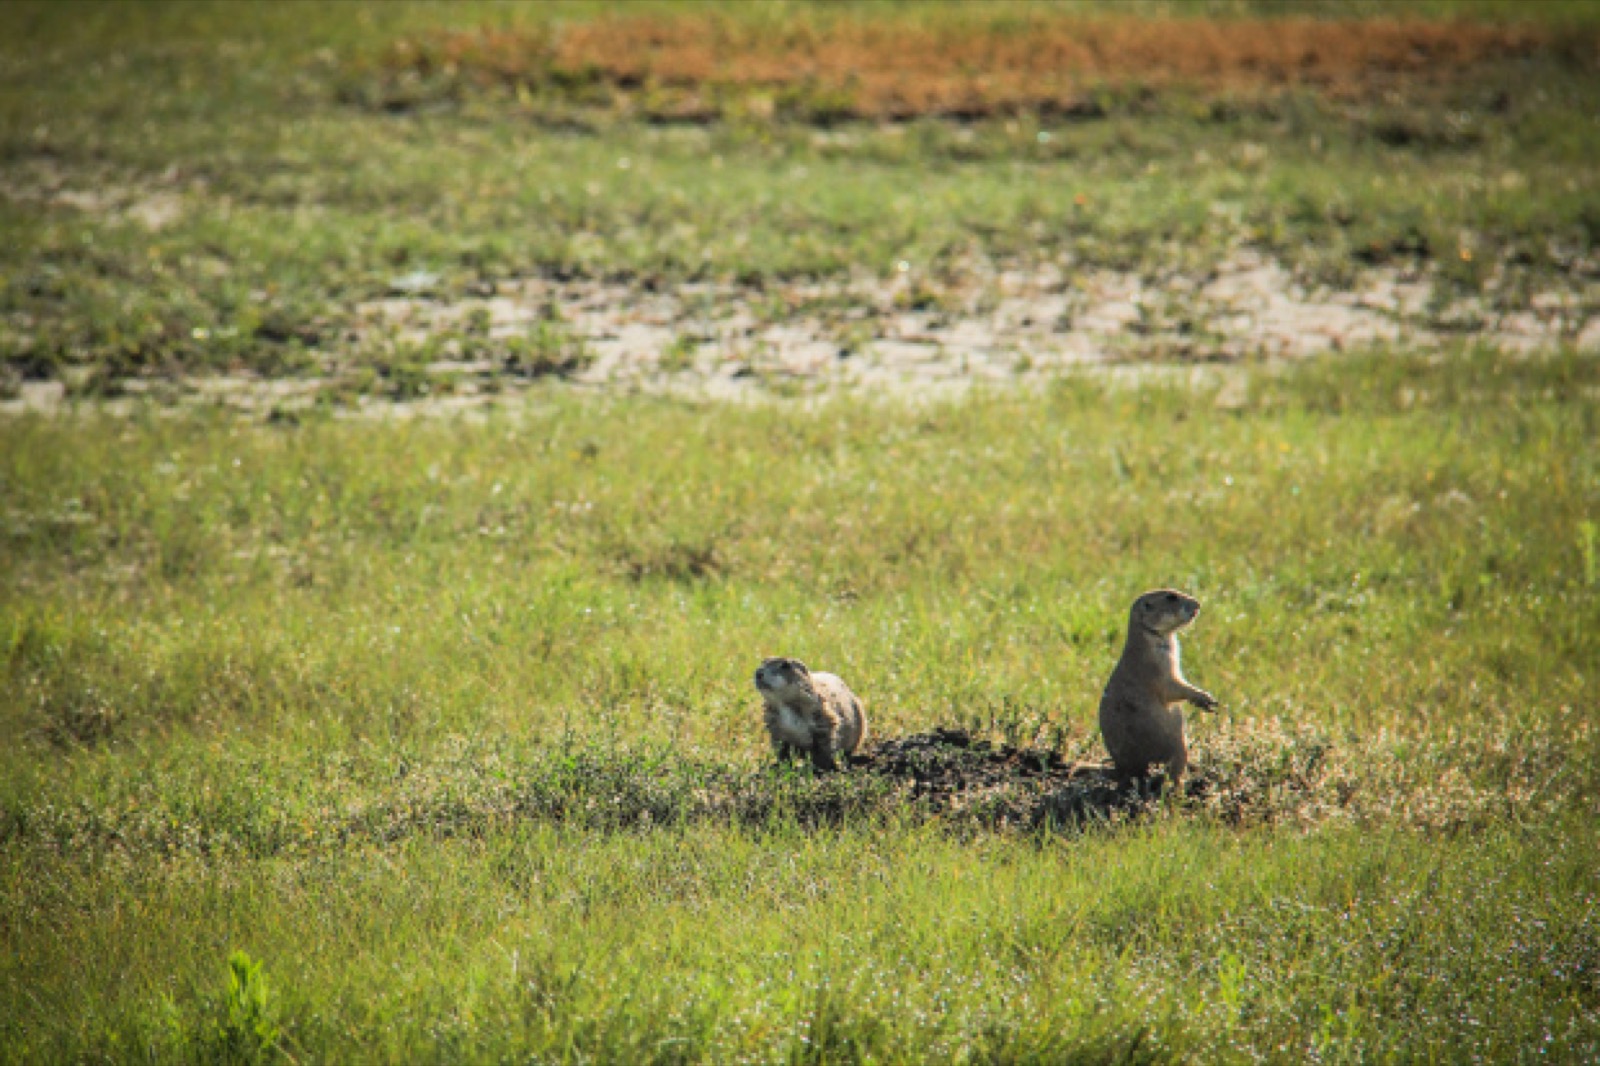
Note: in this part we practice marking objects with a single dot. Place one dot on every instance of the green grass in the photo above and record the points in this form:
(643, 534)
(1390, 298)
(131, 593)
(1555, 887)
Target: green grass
(408, 739)
(1166, 944)
(447, 723)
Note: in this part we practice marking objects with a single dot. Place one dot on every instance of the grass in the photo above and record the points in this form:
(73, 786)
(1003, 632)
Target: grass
(447, 725)
(404, 738)
(706, 946)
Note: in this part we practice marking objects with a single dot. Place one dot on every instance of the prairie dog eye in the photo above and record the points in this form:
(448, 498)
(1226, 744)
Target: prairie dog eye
(1172, 597)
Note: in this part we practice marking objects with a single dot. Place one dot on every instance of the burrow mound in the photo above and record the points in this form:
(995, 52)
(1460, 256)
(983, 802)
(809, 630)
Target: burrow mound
(950, 770)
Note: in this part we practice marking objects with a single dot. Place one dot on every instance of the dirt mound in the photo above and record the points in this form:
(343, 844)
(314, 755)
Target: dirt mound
(952, 771)
(951, 760)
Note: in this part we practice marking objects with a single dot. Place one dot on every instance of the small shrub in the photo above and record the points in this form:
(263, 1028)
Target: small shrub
(250, 1030)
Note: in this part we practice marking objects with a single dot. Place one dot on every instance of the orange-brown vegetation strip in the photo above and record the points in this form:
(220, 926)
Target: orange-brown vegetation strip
(881, 68)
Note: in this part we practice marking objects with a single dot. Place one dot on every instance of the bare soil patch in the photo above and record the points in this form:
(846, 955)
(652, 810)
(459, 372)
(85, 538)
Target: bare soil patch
(988, 325)
(992, 324)
(950, 771)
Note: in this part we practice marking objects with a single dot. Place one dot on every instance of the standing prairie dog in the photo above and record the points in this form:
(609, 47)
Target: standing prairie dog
(1141, 712)
(816, 714)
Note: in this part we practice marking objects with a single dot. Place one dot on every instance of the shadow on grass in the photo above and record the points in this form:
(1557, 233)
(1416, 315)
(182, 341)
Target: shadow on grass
(1260, 774)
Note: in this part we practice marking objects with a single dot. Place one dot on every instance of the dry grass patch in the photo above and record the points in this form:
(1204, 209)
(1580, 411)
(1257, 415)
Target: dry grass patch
(968, 65)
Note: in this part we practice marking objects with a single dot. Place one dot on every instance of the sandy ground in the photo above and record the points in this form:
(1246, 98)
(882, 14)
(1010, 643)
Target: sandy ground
(903, 336)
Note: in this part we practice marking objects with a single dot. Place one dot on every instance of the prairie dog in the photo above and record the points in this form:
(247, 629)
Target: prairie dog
(813, 713)
(1141, 712)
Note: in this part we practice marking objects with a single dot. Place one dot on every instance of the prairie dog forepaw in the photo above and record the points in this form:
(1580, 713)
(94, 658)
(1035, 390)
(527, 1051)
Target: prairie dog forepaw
(1204, 700)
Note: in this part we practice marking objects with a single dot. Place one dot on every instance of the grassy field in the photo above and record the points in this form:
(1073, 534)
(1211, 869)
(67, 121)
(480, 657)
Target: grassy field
(449, 725)
(431, 738)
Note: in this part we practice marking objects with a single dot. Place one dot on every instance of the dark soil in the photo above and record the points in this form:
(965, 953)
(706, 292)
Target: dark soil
(951, 770)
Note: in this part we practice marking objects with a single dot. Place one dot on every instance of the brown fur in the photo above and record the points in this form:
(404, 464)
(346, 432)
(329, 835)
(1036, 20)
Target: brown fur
(1141, 712)
(808, 713)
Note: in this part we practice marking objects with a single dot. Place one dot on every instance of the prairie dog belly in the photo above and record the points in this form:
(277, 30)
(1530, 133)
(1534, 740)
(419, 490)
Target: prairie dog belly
(1139, 735)
(791, 727)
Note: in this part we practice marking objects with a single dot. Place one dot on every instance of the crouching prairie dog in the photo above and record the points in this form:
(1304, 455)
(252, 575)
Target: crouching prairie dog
(809, 713)
(1141, 712)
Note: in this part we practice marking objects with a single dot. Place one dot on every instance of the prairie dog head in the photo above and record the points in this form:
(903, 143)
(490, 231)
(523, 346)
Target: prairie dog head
(1164, 611)
(780, 680)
